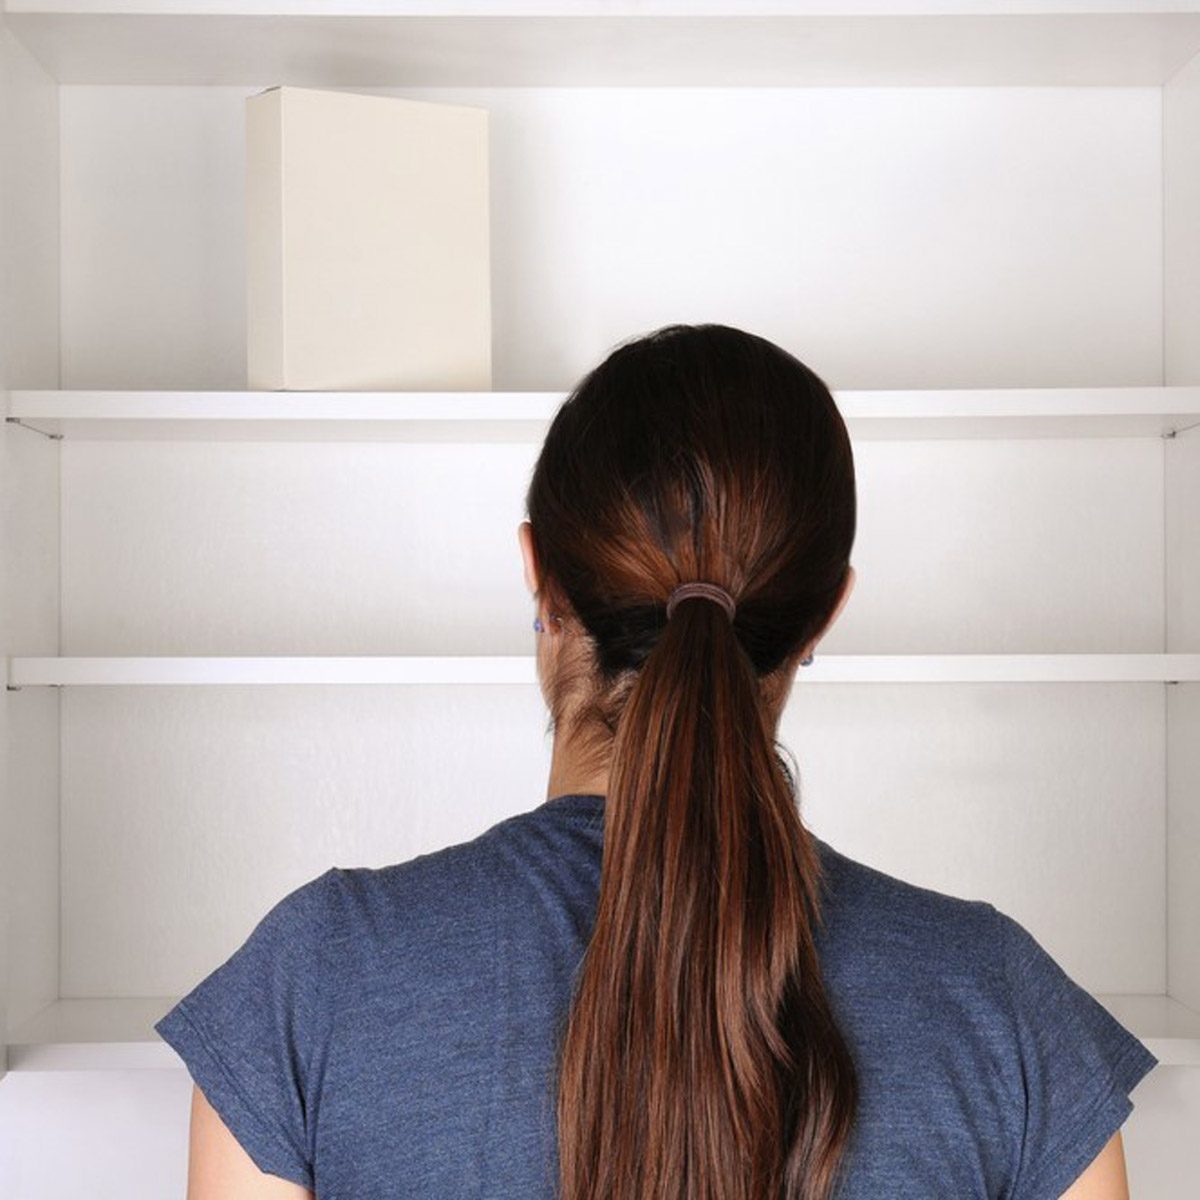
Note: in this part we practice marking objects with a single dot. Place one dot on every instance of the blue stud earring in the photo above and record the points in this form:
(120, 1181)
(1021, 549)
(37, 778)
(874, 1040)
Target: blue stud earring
(537, 624)
(806, 662)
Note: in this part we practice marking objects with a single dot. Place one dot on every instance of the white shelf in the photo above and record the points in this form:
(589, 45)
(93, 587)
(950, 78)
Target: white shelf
(520, 668)
(1170, 1030)
(524, 416)
(727, 9)
(92, 1035)
(359, 43)
(118, 1033)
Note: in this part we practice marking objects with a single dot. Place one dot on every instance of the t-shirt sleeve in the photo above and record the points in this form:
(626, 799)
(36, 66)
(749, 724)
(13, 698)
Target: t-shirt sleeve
(247, 1031)
(1078, 1064)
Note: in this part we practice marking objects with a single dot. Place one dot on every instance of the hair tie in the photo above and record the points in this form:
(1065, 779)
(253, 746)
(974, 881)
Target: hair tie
(710, 591)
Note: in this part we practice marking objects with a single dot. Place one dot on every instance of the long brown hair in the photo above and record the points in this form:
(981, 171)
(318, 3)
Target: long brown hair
(700, 1059)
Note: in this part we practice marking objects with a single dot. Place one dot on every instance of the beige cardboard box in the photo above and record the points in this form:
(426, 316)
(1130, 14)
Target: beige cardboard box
(367, 243)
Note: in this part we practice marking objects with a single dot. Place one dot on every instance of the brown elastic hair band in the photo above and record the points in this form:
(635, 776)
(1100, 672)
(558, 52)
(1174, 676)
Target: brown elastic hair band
(710, 591)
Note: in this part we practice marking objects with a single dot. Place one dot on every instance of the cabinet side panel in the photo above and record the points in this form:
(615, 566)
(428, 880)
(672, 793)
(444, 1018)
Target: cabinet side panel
(264, 241)
(1181, 225)
(1183, 843)
(1182, 515)
(1181, 497)
(29, 491)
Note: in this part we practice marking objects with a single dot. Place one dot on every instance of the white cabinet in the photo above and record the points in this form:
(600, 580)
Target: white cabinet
(251, 635)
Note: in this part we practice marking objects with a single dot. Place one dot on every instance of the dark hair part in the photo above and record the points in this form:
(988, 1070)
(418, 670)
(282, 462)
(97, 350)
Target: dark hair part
(700, 1059)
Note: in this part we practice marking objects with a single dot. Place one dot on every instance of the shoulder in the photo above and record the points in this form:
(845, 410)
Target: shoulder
(901, 925)
(462, 877)
(428, 894)
(954, 1002)
(305, 905)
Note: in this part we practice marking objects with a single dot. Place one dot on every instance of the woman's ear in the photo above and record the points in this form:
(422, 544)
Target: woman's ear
(528, 556)
(847, 588)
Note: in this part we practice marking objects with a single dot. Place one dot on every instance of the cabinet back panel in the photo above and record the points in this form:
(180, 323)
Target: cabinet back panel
(1045, 799)
(1038, 546)
(893, 237)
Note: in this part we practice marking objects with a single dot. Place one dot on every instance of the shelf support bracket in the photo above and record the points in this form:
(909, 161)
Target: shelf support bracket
(54, 437)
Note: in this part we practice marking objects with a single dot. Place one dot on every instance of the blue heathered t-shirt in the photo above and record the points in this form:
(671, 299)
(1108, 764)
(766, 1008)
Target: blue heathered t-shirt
(390, 1032)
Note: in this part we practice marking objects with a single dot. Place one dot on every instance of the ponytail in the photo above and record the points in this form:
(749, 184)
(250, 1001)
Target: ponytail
(700, 1058)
